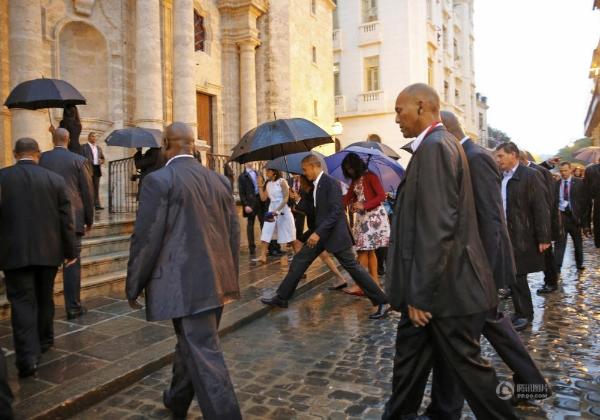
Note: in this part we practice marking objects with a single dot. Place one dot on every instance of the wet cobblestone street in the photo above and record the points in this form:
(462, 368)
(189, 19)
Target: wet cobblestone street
(324, 359)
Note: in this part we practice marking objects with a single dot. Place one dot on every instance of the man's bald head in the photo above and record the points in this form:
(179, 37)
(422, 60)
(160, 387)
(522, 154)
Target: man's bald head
(60, 137)
(179, 139)
(452, 124)
(417, 107)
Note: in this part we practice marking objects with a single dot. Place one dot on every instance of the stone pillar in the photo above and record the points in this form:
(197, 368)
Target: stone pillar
(184, 63)
(148, 73)
(248, 113)
(25, 48)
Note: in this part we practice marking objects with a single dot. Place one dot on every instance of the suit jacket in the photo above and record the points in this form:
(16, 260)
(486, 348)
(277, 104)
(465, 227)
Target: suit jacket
(152, 160)
(77, 173)
(36, 223)
(436, 261)
(552, 200)
(579, 202)
(527, 218)
(486, 180)
(185, 244)
(248, 196)
(592, 181)
(86, 151)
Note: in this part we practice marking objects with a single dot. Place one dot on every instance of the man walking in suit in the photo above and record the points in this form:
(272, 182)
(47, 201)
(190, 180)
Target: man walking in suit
(251, 203)
(93, 153)
(574, 212)
(446, 397)
(438, 274)
(331, 234)
(524, 198)
(36, 236)
(185, 254)
(592, 186)
(76, 172)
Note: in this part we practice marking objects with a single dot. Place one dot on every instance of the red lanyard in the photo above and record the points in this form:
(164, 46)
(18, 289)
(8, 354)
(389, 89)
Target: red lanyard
(430, 128)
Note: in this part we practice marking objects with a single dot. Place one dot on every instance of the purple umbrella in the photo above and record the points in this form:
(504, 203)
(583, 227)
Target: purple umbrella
(589, 154)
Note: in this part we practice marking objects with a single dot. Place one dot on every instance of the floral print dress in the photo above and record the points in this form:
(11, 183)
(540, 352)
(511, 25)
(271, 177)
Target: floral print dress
(371, 227)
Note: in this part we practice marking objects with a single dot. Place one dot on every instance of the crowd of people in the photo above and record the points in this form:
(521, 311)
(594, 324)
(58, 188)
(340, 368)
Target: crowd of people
(467, 227)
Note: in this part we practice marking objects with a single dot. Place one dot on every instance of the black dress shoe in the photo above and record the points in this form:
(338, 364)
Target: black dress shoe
(546, 289)
(275, 301)
(27, 371)
(520, 324)
(167, 403)
(339, 287)
(76, 314)
(382, 311)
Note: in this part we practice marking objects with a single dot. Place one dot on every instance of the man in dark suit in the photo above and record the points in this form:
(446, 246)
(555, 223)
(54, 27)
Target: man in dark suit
(251, 203)
(574, 212)
(438, 275)
(36, 236)
(185, 254)
(592, 186)
(76, 172)
(446, 397)
(524, 197)
(331, 234)
(93, 153)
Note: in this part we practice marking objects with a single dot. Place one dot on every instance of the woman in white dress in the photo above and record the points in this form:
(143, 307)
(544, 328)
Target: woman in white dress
(280, 215)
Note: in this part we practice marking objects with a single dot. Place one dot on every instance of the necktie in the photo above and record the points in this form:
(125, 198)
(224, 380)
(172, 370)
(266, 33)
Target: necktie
(566, 190)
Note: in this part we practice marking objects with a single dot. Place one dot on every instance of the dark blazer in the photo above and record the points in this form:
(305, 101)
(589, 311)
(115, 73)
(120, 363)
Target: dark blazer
(592, 181)
(86, 151)
(579, 202)
(152, 160)
(486, 180)
(36, 223)
(248, 196)
(77, 173)
(527, 218)
(185, 244)
(436, 261)
(552, 199)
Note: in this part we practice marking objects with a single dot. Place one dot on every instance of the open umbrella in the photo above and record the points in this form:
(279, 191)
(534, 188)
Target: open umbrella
(44, 93)
(293, 163)
(135, 137)
(389, 172)
(279, 138)
(384, 148)
(589, 154)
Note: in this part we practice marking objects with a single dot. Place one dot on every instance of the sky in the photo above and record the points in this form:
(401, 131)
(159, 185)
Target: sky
(532, 59)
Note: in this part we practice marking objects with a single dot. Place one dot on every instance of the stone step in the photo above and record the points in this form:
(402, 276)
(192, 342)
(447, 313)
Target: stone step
(100, 264)
(111, 228)
(104, 245)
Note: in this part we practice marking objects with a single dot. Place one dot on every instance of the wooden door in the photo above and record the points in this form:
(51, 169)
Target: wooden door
(204, 118)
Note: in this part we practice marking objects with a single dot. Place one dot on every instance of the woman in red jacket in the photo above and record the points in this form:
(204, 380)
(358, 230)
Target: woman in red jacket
(371, 228)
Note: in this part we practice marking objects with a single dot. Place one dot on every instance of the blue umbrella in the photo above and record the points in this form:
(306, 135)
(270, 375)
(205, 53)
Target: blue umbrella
(294, 162)
(389, 172)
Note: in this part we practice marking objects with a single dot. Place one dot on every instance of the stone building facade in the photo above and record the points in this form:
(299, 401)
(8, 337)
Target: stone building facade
(222, 66)
(592, 119)
(381, 46)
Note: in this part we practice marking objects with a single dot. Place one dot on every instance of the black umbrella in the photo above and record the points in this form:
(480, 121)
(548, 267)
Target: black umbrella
(135, 137)
(385, 149)
(293, 163)
(44, 93)
(279, 138)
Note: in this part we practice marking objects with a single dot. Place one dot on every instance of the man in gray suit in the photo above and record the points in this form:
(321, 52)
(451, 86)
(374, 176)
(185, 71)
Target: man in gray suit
(184, 254)
(77, 174)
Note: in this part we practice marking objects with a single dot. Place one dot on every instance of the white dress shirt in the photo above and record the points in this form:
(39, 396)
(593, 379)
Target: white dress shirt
(464, 139)
(415, 144)
(507, 175)
(178, 156)
(562, 203)
(94, 154)
(315, 183)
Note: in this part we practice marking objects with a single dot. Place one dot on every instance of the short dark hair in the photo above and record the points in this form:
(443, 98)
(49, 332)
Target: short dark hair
(26, 145)
(353, 161)
(312, 159)
(565, 163)
(509, 147)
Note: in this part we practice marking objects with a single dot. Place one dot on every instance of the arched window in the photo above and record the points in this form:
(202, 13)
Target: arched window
(199, 32)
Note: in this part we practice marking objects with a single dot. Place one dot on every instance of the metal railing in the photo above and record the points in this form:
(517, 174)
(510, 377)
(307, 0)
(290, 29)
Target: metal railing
(122, 186)
(232, 170)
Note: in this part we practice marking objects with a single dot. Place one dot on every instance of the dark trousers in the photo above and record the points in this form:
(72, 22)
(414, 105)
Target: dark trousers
(96, 174)
(550, 271)
(596, 222)
(6, 395)
(446, 396)
(304, 258)
(199, 369)
(299, 219)
(455, 342)
(521, 296)
(381, 257)
(570, 227)
(30, 291)
(72, 282)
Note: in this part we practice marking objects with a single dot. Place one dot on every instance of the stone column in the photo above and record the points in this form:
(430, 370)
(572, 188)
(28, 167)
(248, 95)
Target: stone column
(25, 48)
(248, 114)
(184, 63)
(148, 74)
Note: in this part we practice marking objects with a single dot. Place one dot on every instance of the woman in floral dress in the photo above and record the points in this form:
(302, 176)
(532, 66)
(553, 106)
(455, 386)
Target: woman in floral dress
(371, 228)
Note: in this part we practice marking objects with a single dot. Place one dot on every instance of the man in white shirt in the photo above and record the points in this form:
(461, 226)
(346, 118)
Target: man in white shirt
(93, 153)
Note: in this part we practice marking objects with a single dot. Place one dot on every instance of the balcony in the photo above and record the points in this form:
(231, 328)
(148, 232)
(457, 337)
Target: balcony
(369, 33)
(340, 105)
(371, 102)
(337, 39)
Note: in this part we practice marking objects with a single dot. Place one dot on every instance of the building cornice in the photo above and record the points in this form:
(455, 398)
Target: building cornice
(232, 6)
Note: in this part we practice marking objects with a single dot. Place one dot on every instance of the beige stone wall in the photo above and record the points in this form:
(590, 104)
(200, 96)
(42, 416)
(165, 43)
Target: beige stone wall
(5, 135)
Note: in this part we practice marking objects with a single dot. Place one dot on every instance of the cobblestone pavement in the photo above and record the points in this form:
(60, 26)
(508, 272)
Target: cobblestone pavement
(323, 359)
